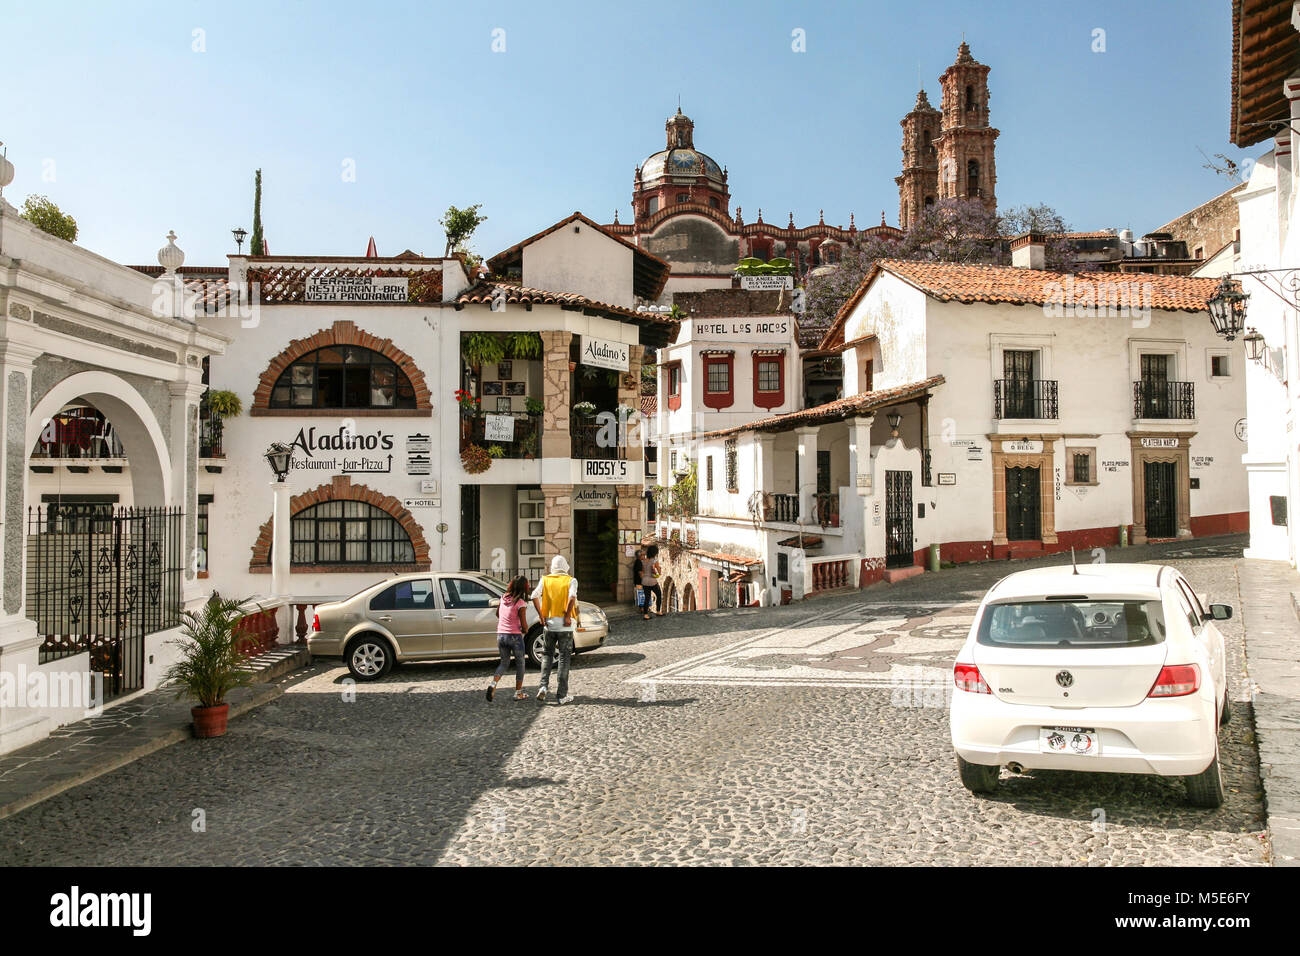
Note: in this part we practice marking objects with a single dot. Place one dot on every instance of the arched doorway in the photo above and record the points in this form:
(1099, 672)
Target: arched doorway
(688, 598)
(671, 598)
(105, 556)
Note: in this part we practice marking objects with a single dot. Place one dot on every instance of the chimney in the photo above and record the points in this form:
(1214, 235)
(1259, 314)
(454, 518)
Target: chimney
(1029, 251)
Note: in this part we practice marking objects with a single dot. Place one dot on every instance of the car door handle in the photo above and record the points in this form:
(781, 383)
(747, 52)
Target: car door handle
(449, 617)
(386, 618)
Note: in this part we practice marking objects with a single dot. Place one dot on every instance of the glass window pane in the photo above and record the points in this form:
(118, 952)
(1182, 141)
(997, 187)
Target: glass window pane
(302, 374)
(302, 553)
(302, 395)
(355, 552)
(327, 553)
(280, 396)
(329, 357)
(328, 530)
(356, 530)
(381, 552)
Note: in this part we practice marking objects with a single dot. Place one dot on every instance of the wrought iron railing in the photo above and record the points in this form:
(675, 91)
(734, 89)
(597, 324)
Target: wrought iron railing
(211, 429)
(78, 433)
(1024, 398)
(1157, 399)
(526, 442)
(596, 438)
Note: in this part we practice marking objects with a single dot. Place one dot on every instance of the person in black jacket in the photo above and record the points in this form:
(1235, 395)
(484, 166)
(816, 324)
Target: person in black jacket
(640, 595)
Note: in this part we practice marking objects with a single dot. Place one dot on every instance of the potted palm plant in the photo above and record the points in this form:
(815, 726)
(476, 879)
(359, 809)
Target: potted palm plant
(211, 664)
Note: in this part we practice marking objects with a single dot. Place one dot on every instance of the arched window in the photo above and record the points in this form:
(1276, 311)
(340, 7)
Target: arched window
(652, 205)
(348, 532)
(973, 178)
(970, 97)
(925, 140)
(713, 202)
(342, 377)
(929, 201)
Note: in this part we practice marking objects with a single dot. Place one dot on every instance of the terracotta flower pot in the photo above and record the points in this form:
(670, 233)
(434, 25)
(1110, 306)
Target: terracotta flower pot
(210, 721)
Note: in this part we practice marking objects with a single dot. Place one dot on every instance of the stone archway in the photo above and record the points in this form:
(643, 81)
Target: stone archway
(136, 424)
(688, 598)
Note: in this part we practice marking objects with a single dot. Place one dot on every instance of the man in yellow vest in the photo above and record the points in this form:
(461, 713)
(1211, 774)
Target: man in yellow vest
(556, 601)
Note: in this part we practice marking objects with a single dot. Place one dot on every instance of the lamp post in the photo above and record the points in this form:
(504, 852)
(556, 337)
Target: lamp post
(1255, 345)
(894, 419)
(1228, 309)
(280, 457)
(239, 234)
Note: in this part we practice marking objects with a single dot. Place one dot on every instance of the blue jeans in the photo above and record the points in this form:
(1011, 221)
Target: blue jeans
(563, 641)
(508, 644)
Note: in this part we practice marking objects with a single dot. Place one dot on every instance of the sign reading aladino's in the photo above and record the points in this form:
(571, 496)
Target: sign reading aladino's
(356, 289)
(604, 354)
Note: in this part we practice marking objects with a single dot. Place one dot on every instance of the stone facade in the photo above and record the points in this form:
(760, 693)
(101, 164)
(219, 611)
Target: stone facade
(966, 165)
(557, 383)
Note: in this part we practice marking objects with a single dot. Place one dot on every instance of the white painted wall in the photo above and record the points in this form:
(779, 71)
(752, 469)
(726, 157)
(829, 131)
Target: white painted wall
(578, 258)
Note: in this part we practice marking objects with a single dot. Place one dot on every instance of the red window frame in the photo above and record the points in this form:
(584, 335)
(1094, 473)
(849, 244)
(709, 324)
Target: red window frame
(770, 399)
(720, 399)
(868, 376)
(673, 389)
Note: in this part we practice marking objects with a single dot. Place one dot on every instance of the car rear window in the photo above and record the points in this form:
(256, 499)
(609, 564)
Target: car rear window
(1077, 622)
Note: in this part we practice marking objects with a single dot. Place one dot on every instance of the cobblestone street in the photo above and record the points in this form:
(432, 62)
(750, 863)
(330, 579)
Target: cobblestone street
(772, 736)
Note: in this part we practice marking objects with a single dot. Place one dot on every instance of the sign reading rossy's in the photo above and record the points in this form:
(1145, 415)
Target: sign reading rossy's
(604, 354)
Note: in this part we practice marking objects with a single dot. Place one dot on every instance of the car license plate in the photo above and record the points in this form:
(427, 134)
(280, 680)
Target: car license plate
(1079, 741)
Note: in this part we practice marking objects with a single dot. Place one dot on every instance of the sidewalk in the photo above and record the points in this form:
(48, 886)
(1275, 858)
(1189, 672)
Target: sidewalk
(1271, 619)
(82, 751)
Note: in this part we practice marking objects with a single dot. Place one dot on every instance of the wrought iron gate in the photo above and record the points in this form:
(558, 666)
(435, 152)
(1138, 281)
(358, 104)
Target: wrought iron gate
(898, 519)
(99, 580)
(1159, 481)
(1023, 504)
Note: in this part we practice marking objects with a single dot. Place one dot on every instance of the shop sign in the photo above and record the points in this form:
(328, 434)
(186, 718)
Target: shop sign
(594, 499)
(1023, 447)
(947, 478)
(1160, 443)
(370, 452)
(356, 289)
(766, 283)
(604, 354)
(418, 460)
(775, 330)
(597, 471)
(421, 504)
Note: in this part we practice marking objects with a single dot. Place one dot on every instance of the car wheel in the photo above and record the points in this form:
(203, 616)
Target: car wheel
(1225, 713)
(369, 657)
(535, 646)
(1205, 789)
(977, 777)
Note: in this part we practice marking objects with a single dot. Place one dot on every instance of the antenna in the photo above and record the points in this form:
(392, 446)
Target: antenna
(1072, 564)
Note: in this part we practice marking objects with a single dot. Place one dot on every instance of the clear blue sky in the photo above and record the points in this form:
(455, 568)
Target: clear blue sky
(142, 134)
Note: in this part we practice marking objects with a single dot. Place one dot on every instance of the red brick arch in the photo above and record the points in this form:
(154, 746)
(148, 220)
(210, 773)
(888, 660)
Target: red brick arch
(342, 489)
(342, 332)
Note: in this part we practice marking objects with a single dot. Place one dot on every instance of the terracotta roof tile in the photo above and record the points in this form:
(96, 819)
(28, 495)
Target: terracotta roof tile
(649, 405)
(484, 292)
(834, 411)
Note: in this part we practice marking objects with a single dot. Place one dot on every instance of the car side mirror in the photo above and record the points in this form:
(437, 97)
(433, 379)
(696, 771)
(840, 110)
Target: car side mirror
(495, 602)
(1220, 612)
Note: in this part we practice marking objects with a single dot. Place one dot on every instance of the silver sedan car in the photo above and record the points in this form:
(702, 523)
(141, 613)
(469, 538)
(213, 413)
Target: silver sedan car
(429, 616)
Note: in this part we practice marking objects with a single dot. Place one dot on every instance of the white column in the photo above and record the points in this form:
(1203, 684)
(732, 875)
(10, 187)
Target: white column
(765, 463)
(807, 473)
(280, 546)
(860, 454)
(183, 450)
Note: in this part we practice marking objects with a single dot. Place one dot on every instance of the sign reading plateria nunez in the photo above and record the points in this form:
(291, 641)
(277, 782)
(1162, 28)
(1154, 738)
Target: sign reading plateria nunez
(356, 289)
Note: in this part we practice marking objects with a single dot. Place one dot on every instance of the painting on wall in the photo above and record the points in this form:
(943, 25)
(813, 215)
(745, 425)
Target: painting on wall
(504, 370)
(492, 388)
(516, 388)
(503, 404)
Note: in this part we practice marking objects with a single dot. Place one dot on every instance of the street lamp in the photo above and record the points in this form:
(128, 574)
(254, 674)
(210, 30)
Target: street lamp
(239, 235)
(279, 456)
(894, 419)
(1255, 345)
(1228, 309)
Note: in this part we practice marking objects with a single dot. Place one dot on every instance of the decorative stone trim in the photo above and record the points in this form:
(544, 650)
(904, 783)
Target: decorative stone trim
(342, 333)
(1181, 457)
(342, 489)
(1044, 461)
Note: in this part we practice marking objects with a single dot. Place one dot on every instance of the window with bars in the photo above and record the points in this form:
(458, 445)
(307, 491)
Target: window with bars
(732, 479)
(708, 473)
(343, 377)
(1082, 469)
(348, 532)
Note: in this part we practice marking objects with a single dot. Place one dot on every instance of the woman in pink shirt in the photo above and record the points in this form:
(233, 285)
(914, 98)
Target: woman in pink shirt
(511, 624)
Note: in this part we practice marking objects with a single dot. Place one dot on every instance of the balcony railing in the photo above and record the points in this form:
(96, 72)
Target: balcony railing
(1155, 399)
(596, 439)
(211, 428)
(784, 508)
(1024, 398)
(525, 445)
(78, 433)
(826, 509)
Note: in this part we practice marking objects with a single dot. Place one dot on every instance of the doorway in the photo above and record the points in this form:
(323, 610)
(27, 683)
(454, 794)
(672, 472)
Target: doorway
(595, 553)
(898, 519)
(1023, 505)
(469, 528)
(1160, 480)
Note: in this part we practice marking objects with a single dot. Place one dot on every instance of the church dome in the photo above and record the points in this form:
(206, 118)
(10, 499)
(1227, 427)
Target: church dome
(680, 160)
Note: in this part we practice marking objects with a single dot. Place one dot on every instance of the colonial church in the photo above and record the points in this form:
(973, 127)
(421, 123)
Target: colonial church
(681, 203)
(948, 153)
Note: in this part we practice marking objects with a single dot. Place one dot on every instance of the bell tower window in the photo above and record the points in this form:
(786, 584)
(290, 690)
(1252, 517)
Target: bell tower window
(973, 178)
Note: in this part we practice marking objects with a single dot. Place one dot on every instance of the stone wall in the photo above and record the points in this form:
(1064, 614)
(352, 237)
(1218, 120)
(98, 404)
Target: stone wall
(557, 381)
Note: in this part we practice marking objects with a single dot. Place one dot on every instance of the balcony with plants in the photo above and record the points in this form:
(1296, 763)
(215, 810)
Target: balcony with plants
(500, 379)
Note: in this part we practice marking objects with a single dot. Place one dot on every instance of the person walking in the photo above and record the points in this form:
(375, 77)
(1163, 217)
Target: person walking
(556, 601)
(641, 594)
(650, 581)
(512, 623)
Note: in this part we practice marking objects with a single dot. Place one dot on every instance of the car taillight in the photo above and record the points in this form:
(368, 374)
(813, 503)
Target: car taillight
(315, 622)
(1176, 680)
(967, 677)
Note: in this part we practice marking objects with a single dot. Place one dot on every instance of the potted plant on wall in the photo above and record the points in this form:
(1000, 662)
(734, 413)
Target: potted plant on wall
(523, 345)
(211, 664)
(220, 404)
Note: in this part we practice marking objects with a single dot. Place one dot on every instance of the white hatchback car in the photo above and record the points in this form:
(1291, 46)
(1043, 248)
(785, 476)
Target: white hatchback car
(1117, 668)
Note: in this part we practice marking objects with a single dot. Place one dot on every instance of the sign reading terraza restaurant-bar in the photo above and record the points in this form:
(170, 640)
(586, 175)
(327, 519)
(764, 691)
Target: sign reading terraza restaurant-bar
(356, 289)
(603, 354)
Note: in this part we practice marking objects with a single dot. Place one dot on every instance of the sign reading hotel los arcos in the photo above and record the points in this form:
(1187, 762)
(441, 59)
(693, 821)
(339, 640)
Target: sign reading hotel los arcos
(603, 354)
(774, 329)
(356, 289)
